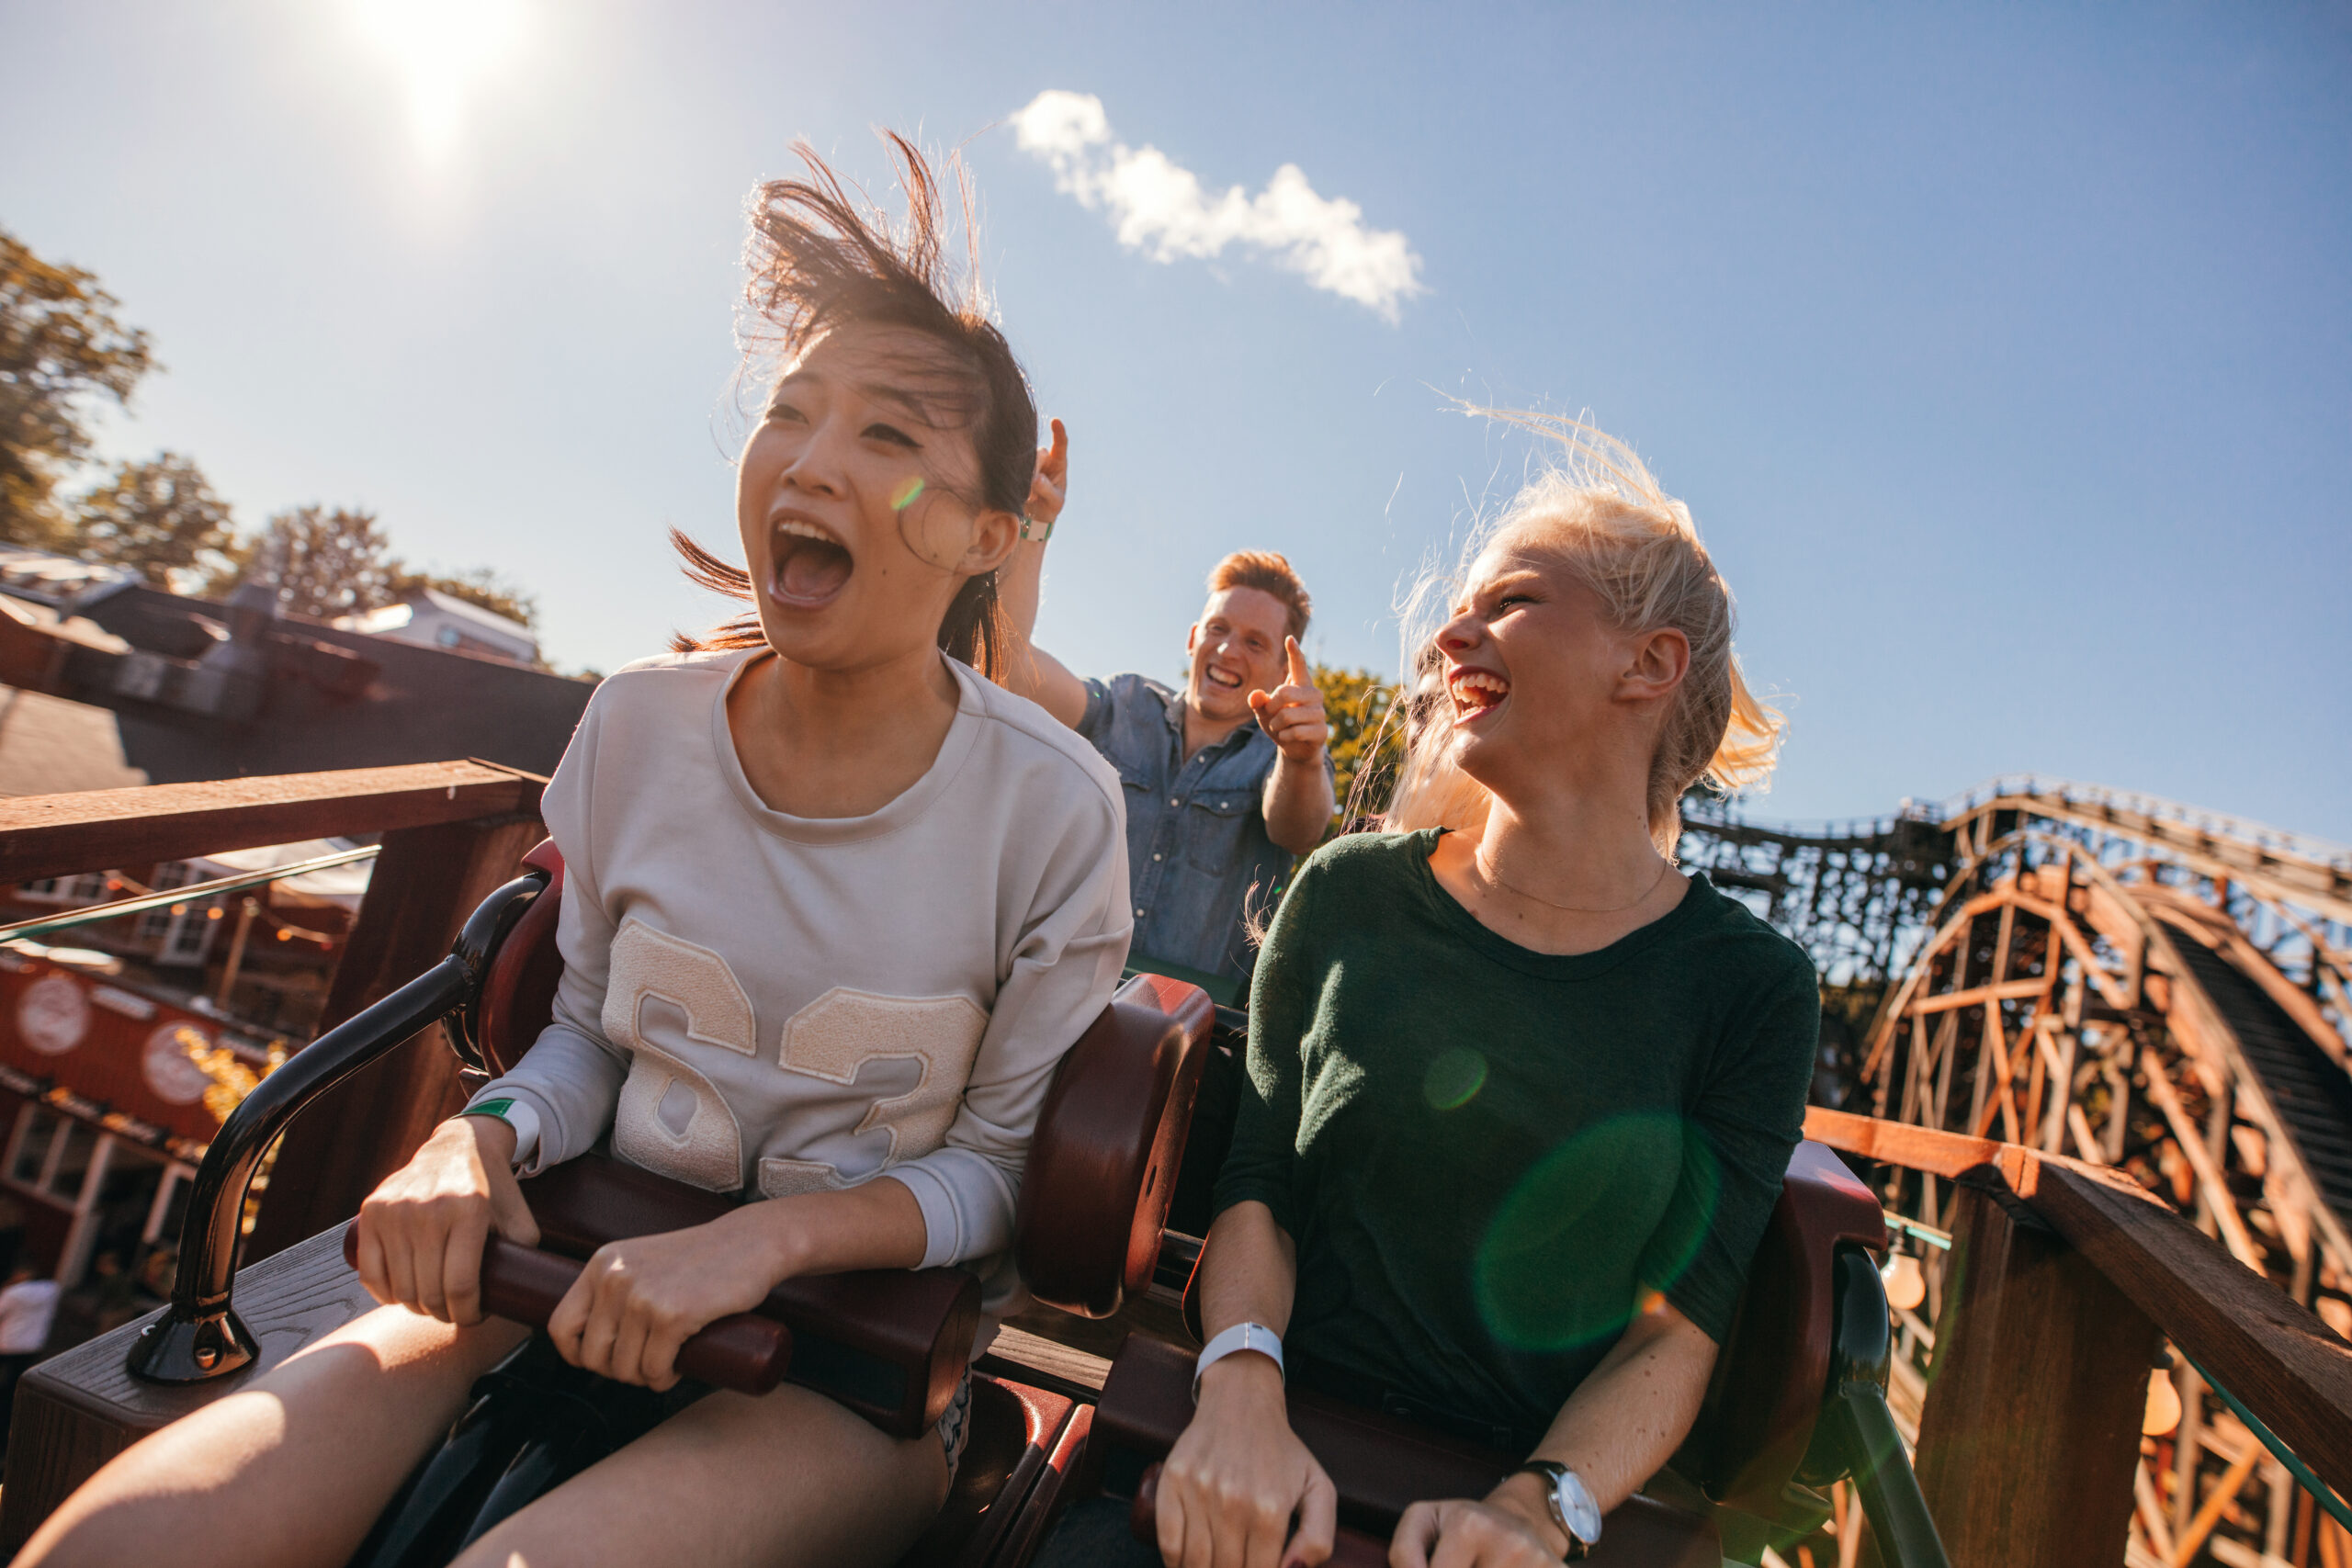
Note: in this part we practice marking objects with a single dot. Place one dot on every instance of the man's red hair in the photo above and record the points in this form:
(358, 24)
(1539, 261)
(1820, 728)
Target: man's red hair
(1268, 573)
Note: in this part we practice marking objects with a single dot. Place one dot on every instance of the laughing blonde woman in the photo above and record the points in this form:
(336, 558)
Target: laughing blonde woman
(1520, 1092)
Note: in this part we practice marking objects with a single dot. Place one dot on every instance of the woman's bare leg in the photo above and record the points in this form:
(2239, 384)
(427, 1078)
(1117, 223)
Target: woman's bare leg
(288, 1472)
(790, 1479)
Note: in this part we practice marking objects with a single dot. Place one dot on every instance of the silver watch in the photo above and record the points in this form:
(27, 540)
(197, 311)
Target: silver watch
(1573, 1508)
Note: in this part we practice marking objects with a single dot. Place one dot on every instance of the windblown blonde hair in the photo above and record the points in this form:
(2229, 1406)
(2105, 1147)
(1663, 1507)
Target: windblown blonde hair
(1599, 512)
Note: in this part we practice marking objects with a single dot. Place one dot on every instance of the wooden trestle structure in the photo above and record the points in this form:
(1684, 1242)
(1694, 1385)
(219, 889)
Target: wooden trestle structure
(2133, 985)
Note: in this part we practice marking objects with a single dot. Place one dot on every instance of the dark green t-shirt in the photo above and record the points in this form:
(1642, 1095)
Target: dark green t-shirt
(1483, 1152)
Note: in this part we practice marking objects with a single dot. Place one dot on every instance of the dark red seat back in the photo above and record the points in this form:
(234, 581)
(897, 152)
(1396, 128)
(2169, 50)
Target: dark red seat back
(518, 993)
(1103, 1167)
(1774, 1371)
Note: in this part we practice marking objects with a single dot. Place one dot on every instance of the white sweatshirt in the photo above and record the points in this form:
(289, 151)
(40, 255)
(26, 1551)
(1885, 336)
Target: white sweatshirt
(784, 1004)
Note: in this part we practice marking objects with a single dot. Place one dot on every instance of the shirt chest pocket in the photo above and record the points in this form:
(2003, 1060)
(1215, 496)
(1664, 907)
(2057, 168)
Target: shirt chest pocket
(1215, 825)
(1143, 793)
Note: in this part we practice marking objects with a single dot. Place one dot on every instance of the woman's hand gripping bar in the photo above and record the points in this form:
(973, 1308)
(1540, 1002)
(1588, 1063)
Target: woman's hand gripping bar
(1350, 1549)
(743, 1352)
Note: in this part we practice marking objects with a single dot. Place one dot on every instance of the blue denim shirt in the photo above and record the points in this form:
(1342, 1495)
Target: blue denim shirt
(1198, 857)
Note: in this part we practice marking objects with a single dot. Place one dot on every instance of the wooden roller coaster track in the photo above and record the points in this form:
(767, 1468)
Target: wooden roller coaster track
(2127, 981)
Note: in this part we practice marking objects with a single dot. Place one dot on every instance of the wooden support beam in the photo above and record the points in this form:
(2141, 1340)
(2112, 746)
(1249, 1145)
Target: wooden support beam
(1993, 1055)
(427, 881)
(2151, 1510)
(2038, 1059)
(2223, 1497)
(2006, 990)
(2062, 1091)
(2210, 1180)
(2032, 1431)
(1946, 1155)
(2084, 1145)
(1947, 1052)
(60, 835)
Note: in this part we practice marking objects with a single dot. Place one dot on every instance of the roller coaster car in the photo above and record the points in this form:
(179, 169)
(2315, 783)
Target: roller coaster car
(1797, 1399)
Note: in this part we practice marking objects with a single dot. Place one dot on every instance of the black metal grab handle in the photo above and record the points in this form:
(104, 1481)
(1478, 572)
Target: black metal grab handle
(1905, 1530)
(199, 1335)
(1856, 1434)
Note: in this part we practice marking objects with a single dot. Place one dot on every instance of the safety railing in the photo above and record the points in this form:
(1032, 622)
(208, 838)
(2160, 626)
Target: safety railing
(174, 898)
(450, 832)
(2063, 1280)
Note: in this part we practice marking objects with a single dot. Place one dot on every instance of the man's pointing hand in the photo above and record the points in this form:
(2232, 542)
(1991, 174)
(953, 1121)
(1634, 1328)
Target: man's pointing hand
(1292, 712)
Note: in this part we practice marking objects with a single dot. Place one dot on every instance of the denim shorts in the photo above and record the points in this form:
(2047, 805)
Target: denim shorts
(955, 1425)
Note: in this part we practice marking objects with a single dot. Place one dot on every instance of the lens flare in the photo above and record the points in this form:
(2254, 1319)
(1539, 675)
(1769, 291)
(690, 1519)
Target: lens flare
(905, 495)
(1454, 1078)
(1643, 1186)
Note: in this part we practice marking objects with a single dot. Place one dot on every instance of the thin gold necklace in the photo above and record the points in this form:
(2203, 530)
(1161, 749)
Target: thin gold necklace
(1479, 861)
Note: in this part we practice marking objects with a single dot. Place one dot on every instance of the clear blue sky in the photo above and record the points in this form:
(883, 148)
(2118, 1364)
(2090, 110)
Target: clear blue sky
(2003, 354)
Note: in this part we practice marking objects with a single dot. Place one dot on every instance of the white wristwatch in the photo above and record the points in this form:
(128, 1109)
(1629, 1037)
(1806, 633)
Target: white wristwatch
(1573, 1508)
(1240, 1336)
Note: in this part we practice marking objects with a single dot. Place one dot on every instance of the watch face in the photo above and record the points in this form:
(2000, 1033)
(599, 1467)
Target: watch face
(1578, 1508)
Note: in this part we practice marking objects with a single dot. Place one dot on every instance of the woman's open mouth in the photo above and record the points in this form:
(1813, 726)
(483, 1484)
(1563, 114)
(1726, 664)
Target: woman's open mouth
(811, 564)
(1476, 692)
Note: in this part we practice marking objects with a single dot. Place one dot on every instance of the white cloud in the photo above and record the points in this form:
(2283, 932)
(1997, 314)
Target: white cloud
(1158, 207)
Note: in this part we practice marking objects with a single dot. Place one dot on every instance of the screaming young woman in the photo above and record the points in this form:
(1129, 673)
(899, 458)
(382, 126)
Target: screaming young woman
(1519, 1094)
(835, 906)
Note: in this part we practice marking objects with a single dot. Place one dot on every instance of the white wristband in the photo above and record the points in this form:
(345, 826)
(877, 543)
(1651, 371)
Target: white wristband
(1240, 1336)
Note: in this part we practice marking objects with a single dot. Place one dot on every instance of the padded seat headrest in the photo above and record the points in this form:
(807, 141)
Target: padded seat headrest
(1110, 1140)
(1770, 1379)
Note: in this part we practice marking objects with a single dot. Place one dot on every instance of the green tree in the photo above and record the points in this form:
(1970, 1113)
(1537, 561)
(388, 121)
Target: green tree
(61, 350)
(160, 518)
(481, 587)
(1367, 743)
(326, 562)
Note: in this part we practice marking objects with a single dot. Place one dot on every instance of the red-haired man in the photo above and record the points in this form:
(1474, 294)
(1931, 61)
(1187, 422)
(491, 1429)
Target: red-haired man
(1217, 805)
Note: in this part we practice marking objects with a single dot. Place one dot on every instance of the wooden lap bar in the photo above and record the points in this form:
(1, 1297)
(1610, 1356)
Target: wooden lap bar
(1350, 1549)
(742, 1352)
(1379, 1465)
(889, 1344)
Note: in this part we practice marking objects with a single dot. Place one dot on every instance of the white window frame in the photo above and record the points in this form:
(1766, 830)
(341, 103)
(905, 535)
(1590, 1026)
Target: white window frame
(83, 889)
(174, 1173)
(183, 934)
(16, 1136)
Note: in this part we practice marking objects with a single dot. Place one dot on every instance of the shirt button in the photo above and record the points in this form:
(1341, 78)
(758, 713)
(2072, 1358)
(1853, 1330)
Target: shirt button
(1154, 856)
(1138, 914)
(1173, 801)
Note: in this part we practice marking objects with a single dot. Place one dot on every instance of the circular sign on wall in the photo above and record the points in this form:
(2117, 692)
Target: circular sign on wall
(53, 1015)
(165, 1066)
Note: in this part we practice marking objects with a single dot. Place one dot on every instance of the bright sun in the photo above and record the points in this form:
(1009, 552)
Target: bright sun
(441, 49)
